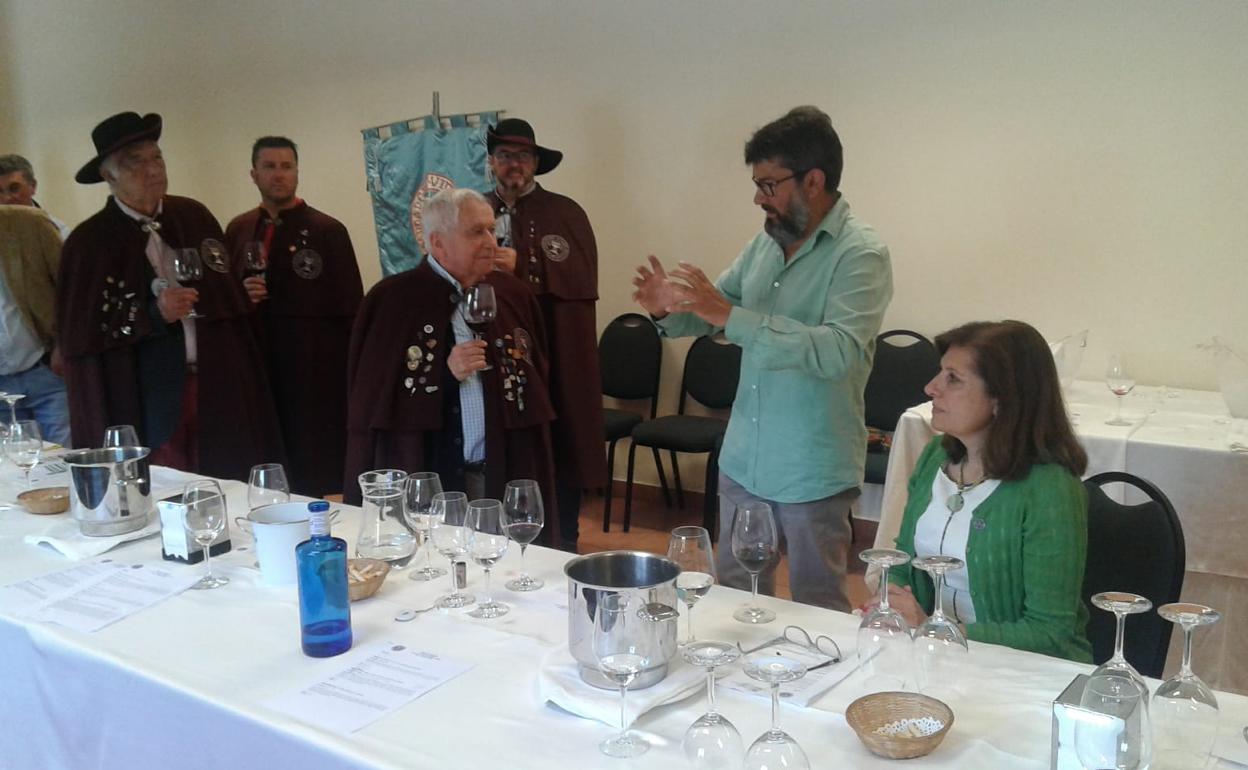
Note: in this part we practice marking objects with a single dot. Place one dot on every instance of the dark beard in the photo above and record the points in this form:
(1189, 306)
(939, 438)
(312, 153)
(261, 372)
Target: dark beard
(789, 228)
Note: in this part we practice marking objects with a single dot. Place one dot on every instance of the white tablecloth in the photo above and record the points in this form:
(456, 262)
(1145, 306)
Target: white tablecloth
(182, 683)
(1178, 440)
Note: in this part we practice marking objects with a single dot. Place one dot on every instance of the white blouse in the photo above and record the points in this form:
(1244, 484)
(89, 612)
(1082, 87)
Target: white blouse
(940, 532)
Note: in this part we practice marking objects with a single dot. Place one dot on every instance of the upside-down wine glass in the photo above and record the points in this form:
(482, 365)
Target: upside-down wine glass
(624, 649)
(419, 490)
(884, 639)
(524, 515)
(775, 748)
(1121, 604)
(1185, 710)
(11, 399)
(480, 308)
(450, 537)
(712, 742)
(23, 445)
(690, 549)
(487, 544)
(1120, 382)
(754, 545)
(204, 517)
(941, 644)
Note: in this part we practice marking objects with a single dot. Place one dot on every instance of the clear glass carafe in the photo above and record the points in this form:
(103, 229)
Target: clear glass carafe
(383, 533)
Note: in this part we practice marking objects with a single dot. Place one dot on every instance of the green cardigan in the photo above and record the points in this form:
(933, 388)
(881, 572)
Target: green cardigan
(1025, 555)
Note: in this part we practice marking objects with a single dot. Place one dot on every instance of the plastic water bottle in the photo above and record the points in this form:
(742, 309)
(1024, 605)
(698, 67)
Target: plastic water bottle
(324, 601)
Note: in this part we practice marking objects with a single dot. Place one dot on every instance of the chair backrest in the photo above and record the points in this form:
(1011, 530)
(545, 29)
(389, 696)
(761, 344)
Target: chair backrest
(712, 369)
(1138, 549)
(630, 353)
(898, 375)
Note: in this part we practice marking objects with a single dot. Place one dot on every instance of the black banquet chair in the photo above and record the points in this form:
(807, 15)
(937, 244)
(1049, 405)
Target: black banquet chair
(630, 354)
(712, 368)
(1138, 549)
(898, 376)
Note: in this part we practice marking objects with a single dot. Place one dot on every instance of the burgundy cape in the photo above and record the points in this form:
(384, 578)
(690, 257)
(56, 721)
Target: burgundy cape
(305, 327)
(403, 402)
(125, 365)
(557, 257)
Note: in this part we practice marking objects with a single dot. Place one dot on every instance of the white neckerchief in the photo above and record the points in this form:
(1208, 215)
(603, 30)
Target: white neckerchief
(157, 256)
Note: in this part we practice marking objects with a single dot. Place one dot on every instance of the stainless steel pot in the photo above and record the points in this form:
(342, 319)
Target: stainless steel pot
(110, 489)
(643, 576)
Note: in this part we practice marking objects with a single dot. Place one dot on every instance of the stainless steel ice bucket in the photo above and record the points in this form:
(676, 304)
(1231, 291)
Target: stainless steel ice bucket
(110, 489)
(650, 581)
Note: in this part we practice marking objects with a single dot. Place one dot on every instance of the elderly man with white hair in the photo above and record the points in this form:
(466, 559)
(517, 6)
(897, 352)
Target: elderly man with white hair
(147, 344)
(424, 393)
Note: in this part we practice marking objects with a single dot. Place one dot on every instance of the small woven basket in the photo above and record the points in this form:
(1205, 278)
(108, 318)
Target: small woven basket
(374, 573)
(45, 500)
(871, 712)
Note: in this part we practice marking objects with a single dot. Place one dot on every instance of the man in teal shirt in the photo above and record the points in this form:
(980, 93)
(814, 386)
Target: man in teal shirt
(805, 301)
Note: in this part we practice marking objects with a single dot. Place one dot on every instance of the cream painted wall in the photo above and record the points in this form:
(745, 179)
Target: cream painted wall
(1073, 164)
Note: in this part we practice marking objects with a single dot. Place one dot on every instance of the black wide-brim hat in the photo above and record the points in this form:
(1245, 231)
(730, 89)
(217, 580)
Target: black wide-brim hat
(121, 130)
(517, 131)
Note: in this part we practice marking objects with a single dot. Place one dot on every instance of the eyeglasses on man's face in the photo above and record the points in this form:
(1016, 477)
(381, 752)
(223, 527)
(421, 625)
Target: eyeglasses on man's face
(507, 157)
(768, 186)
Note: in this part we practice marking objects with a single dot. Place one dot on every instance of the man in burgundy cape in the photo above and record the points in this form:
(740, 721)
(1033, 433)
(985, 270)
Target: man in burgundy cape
(557, 258)
(121, 319)
(406, 367)
(306, 297)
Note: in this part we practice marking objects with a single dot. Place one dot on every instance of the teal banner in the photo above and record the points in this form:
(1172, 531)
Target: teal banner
(409, 162)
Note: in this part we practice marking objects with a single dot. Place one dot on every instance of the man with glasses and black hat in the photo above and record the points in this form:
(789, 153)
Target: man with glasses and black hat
(805, 301)
(556, 256)
(179, 363)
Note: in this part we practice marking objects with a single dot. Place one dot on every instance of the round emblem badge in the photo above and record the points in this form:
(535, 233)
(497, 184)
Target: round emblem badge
(214, 255)
(307, 264)
(555, 247)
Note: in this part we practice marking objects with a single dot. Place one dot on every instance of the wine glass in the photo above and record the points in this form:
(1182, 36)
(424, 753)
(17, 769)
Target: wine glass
(255, 258)
(487, 543)
(1113, 732)
(23, 444)
(690, 549)
(884, 635)
(1120, 383)
(624, 648)
(712, 742)
(267, 485)
(188, 267)
(116, 436)
(11, 399)
(204, 518)
(754, 544)
(418, 491)
(480, 308)
(450, 537)
(1122, 604)
(774, 748)
(523, 516)
(941, 643)
(1185, 710)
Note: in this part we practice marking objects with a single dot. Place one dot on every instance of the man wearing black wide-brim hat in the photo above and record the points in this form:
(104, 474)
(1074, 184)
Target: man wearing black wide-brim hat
(178, 362)
(557, 257)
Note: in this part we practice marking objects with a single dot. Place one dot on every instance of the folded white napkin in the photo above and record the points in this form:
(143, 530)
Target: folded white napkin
(559, 681)
(64, 535)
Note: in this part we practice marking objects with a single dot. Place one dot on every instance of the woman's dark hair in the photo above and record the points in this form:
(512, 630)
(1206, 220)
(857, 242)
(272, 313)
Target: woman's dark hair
(1029, 425)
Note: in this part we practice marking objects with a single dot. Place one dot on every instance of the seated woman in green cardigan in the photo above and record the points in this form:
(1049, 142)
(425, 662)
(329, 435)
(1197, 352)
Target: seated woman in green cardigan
(1001, 491)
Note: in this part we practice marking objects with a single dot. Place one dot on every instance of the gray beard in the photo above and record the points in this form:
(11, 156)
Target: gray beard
(788, 229)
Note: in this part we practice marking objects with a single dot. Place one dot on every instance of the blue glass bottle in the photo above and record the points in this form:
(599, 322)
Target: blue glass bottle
(324, 601)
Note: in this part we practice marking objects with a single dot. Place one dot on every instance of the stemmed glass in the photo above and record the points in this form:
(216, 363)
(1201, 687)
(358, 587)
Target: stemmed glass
(267, 485)
(754, 544)
(523, 516)
(116, 436)
(11, 399)
(23, 444)
(712, 742)
(450, 537)
(480, 308)
(690, 549)
(419, 490)
(1184, 708)
(188, 267)
(775, 748)
(255, 258)
(487, 543)
(204, 518)
(941, 643)
(884, 635)
(1122, 605)
(624, 648)
(1120, 383)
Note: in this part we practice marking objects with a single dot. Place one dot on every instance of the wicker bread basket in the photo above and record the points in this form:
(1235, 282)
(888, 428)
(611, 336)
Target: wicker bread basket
(374, 573)
(871, 712)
